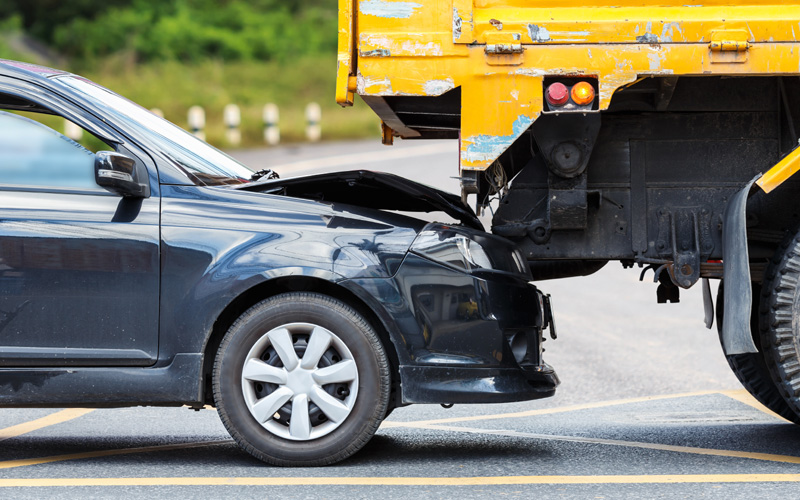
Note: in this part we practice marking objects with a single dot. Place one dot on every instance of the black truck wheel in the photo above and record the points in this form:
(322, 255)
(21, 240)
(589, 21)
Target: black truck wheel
(751, 368)
(780, 321)
(301, 379)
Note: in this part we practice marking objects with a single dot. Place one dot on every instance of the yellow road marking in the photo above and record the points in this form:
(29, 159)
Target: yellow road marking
(10, 464)
(401, 481)
(615, 442)
(742, 396)
(421, 424)
(546, 411)
(52, 419)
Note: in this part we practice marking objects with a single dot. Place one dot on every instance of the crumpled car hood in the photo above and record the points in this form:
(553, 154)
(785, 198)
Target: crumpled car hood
(369, 189)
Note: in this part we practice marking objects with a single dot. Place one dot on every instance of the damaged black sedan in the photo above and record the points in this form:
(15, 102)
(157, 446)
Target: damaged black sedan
(144, 267)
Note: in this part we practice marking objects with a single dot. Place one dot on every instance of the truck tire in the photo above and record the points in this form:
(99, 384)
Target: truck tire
(751, 368)
(780, 320)
(301, 379)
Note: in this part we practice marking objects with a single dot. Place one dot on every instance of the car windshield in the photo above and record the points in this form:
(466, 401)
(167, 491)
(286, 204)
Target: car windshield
(205, 164)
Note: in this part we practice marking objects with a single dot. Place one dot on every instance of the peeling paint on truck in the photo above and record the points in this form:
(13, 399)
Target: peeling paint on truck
(538, 33)
(438, 87)
(403, 52)
(382, 8)
(483, 147)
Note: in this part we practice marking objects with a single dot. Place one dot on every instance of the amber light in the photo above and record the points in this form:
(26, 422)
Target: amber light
(582, 93)
(557, 94)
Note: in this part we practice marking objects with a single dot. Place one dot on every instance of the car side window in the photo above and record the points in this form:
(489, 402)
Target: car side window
(32, 154)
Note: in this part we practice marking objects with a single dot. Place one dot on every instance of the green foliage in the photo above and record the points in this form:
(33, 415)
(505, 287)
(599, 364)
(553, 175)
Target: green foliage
(10, 24)
(41, 17)
(194, 30)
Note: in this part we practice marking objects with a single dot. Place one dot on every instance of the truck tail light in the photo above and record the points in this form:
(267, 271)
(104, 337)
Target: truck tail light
(582, 93)
(557, 94)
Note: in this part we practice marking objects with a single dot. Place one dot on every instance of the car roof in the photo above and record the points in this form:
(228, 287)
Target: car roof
(28, 69)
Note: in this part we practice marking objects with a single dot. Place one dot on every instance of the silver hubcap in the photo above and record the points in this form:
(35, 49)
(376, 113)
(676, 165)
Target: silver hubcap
(300, 381)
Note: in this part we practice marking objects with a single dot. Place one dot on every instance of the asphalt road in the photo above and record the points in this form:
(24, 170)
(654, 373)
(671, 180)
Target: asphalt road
(647, 408)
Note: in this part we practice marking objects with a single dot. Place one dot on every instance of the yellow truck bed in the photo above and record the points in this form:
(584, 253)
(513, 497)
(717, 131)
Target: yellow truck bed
(498, 52)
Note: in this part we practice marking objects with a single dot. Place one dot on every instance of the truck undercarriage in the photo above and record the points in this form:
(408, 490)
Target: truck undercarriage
(658, 178)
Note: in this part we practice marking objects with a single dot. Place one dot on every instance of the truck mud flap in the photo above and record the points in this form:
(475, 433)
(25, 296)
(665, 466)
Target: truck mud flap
(736, 335)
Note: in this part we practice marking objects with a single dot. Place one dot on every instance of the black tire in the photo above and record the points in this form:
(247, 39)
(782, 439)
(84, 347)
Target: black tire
(321, 437)
(751, 368)
(780, 320)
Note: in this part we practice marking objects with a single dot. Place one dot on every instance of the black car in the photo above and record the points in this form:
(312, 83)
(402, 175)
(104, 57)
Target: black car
(158, 271)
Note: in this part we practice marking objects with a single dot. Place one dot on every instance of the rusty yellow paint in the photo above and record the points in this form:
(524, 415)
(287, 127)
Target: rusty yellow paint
(411, 45)
(784, 169)
(344, 58)
(637, 24)
(427, 47)
(462, 21)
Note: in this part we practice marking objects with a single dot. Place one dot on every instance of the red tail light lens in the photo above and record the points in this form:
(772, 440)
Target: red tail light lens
(557, 94)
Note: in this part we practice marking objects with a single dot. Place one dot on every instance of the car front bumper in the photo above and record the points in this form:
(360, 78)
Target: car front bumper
(465, 338)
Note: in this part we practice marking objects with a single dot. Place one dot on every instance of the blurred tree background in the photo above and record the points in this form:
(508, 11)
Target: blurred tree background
(173, 54)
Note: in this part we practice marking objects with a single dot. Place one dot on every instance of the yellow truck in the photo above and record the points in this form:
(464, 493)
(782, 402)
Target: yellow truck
(657, 133)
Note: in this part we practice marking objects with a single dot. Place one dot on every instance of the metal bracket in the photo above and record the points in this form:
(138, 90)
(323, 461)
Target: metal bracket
(684, 236)
(469, 183)
(728, 46)
(550, 321)
(504, 48)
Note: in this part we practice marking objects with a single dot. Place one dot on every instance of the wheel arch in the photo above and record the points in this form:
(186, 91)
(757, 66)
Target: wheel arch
(276, 286)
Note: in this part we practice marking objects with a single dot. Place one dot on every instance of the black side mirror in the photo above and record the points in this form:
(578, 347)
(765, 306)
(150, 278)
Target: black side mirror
(117, 173)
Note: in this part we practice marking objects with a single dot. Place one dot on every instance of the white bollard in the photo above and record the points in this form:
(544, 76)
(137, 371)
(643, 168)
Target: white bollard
(72, 131)
(272, 132)
(313, 116)
(197, 122)
(232, 118)
(157, 112)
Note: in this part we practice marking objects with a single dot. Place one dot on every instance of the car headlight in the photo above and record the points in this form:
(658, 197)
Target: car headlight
(468, 250)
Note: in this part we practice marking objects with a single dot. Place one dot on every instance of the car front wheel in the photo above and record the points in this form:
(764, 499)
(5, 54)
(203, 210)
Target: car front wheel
(301, 379)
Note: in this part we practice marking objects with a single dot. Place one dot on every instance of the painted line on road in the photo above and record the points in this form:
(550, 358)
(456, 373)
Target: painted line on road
(545, 411)
(421, 424)
(52, 419)
(742, 396)
(401, 481)
(769, 457)
(24, 462)
(361, 158)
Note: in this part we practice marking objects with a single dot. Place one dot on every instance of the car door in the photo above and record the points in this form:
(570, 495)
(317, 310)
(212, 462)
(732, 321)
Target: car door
(79, 266)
